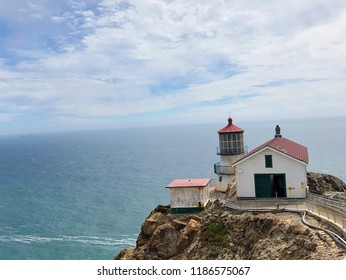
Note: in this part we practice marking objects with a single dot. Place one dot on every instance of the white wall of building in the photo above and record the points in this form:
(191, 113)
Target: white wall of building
(226, 178)
(294, 170)
(225, 181)
(189, 196)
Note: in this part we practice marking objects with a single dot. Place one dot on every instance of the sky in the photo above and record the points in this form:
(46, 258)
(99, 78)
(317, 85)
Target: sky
(71, 65)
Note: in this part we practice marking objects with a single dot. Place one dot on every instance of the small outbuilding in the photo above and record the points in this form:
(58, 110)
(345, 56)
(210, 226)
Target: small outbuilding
(189, 195)
(277, 168)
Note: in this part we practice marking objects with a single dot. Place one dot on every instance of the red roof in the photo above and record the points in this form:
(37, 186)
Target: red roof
(189, 183)
(230, 128)
(284, 146)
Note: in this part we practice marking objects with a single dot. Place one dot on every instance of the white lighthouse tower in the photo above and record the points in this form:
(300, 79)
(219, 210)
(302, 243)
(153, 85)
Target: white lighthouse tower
(231, 148)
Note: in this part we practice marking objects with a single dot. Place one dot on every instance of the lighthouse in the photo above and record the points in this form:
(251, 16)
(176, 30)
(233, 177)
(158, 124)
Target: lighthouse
(231, 148)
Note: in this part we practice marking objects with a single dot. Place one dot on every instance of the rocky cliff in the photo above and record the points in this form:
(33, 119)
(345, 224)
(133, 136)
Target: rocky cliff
(221, 234)
(326, 185)
(217, 233)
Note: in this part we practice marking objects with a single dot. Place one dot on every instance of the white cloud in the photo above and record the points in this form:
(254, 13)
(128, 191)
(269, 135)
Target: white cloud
(126, 58)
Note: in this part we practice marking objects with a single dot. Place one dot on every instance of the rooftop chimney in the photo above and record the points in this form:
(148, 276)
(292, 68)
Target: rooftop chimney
(277, 131)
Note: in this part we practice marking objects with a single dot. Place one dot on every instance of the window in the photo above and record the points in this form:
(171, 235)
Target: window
(231, 143)
(269, 161)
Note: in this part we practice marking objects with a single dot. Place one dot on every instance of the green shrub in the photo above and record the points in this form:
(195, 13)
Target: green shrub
(215, 233)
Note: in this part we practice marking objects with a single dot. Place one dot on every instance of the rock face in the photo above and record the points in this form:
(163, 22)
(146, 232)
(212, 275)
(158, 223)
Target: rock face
(326, 185)
(221, 234)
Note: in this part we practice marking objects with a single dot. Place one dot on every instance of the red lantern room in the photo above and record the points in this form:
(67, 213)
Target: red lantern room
(231, 140)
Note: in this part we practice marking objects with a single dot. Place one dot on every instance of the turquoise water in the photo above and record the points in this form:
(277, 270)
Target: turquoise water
(84, 195)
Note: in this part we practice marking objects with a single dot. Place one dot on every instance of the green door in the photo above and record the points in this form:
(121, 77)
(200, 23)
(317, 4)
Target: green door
(263, 185)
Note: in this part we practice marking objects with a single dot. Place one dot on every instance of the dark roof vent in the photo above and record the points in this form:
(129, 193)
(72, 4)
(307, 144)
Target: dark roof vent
(278, 132)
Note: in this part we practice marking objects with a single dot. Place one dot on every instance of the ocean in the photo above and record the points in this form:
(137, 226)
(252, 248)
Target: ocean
(84, 195)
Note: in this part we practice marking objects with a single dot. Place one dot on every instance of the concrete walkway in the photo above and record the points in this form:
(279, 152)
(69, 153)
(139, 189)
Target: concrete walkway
(265, 203)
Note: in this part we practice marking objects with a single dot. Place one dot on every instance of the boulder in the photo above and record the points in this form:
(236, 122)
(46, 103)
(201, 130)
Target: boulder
(152, 222)
(187, 235)
(164, 241)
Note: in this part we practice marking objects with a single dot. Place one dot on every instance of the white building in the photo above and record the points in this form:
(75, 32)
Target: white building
(189, 195)
(276, 168)
(231, 148)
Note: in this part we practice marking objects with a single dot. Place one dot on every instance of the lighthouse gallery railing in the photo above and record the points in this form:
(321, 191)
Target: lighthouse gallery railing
(223, 169)
(231, 151)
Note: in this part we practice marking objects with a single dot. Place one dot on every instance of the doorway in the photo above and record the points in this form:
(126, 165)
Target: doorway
(270, 185)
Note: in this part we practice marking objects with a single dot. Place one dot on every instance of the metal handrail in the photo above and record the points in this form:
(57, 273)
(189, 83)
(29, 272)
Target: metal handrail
(336, 204)
(331, 208)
